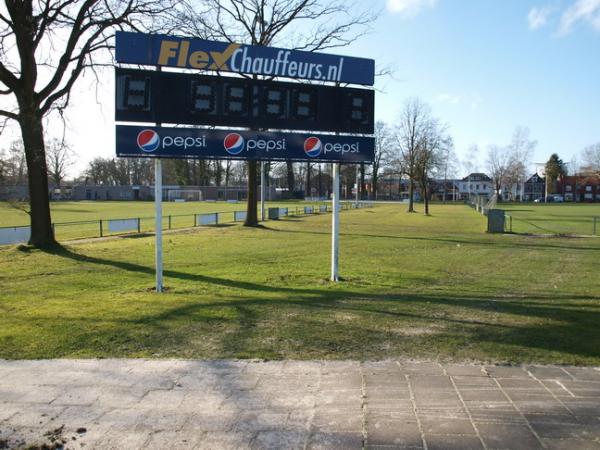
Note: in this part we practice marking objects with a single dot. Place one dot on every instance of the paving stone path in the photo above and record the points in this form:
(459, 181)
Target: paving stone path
(173, 404)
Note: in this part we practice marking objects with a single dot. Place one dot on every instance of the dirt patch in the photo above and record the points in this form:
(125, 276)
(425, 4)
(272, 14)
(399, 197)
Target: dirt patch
(416, 331)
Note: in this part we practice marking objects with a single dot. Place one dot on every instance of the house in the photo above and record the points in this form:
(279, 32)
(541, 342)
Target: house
(535, 187)
(580, 188)
(475, 184)
(444, 190)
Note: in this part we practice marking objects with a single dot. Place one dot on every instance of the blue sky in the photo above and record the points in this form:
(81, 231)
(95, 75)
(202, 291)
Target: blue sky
(485, 68)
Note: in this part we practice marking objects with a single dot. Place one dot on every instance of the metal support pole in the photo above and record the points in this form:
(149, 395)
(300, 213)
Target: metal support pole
(335, 223)
(158, 217)
(262, 191)
(357, 185)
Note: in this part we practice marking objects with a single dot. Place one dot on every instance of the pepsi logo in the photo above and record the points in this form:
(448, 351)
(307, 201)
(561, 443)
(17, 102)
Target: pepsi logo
(233, 143)
(312, 146)
(148, 140)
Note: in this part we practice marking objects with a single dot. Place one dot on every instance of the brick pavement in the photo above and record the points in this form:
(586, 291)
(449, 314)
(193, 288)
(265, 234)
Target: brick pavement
(176, 404)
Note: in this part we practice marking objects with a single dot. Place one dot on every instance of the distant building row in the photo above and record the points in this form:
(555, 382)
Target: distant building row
(575, 188)
(132, 192)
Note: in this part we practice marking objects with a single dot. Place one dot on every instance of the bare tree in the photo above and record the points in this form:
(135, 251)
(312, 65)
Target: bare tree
(383, 151)
(591, 157)
(521, 149)
(307, 180)
(471, 163)
(15, 165)
(59, 157)
(411, 127)
(498, 165)
(3, 167)
(429, 155)
(45, 46)
(327, 24)
(447, 163)
(290, 177)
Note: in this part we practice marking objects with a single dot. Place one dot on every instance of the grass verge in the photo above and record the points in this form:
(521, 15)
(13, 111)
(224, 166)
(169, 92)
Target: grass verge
(426, 287)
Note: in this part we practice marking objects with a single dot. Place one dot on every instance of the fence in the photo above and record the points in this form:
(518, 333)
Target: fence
(536, 221)
(113, 227)
(508, 223)
(580, 225)
(481, 203)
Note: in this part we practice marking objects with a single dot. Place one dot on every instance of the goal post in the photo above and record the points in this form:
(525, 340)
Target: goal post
(184, 195)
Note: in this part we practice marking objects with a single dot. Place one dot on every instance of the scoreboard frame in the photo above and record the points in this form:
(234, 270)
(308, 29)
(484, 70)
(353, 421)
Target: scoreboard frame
(191, 99)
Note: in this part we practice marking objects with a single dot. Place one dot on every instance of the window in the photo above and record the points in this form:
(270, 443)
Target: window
(588, 189)
(477, 187)
(569, 188)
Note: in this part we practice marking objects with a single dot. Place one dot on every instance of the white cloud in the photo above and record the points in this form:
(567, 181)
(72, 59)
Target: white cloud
(476, 101)
(470, 100)
(449, 98)
(538, 17)
(581, 11)
(409, 7)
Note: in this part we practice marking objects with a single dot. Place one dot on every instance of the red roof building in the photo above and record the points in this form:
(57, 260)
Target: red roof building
(580, 188)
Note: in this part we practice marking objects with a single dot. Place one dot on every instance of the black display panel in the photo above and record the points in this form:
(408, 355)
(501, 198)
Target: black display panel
(180, 98)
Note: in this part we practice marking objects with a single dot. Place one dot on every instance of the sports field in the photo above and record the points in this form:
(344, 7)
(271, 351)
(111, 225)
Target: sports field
(554, 218)
(429, 287)
(75, 220)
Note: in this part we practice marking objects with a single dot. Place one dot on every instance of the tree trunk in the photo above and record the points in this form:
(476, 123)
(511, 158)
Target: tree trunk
(33, 141)
(426, 199)
(308, 189)
(218, 174)
(290, 178)
(320, 183)
(411, 190)
(361, 192)
(374, 180)
(251, 208)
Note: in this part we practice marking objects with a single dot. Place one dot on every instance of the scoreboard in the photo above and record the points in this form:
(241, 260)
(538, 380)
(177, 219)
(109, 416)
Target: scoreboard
(190, 99)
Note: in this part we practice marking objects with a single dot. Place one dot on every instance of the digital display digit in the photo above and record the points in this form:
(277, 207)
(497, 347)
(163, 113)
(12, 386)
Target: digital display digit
(358, 108)
(304, 104)
(236, 100)
(204, 97)
(275, 101)
(136, 93)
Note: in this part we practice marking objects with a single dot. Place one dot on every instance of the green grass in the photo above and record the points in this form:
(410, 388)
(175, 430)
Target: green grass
(68, 216)
(426, 287)
(556, 218)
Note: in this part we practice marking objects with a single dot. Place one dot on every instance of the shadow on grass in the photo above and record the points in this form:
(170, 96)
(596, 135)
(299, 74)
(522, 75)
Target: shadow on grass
(544, 242)
(544, 323)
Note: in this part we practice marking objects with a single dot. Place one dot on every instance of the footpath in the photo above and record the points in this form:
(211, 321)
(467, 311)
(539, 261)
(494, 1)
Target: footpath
(178, 404)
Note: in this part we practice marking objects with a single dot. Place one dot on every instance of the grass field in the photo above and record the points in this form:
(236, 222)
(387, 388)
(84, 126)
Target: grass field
(68, 216)
(428, 287)
(556, 218)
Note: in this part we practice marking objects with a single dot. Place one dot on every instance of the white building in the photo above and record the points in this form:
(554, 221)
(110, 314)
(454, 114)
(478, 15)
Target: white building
(475, 184)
